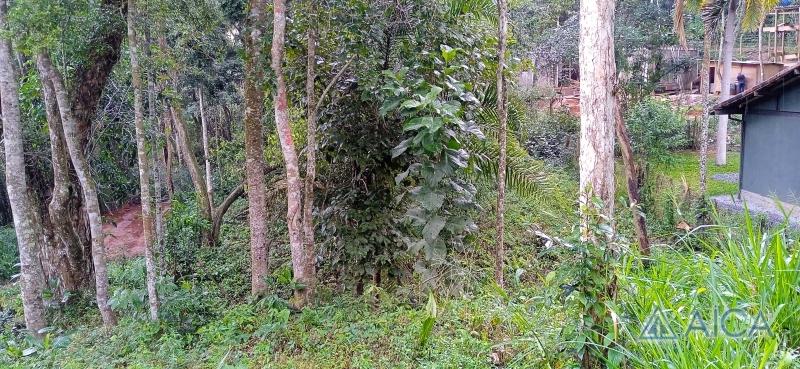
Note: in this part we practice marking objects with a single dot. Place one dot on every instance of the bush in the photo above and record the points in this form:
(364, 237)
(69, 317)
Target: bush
(656, 130)
(9, 255)
(553, 137)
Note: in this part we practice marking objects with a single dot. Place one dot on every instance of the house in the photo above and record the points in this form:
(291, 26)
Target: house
(770, 164)
(752, 71)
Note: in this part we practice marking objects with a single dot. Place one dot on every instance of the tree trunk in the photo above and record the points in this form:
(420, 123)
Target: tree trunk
(206, 148)
(302, 264)
(89, 189)
(597, 102)
(194, 169)
(169, 154)
(157, 160)
(62, 218)
(704, 91)
(311, 138)
(502, 113)
(632, 178)
(728, 43)
(26, 223)
(254, 147)
(148, 224)
(91, 76)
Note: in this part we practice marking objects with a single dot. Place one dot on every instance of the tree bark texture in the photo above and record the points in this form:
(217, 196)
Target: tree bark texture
(311, 137)
(597, 102)
(728, 43)
(63, 211)
(502, 113)
(704, 92)
(632, 179)
(88, 186)
(148, 223)
(27, 224)
(254, 146)
(91, 77)
(191, 163)
(302, 264)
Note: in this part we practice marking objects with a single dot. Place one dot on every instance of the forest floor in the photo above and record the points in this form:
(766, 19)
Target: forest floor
(124, 232)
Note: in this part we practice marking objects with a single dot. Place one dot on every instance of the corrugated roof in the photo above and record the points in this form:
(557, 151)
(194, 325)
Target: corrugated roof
(736, 104)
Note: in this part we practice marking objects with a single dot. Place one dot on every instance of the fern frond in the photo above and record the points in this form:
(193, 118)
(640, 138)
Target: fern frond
(524, 174)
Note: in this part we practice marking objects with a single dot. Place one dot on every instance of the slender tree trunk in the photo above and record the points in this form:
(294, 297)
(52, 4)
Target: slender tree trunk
(157, 162)
(26, 223)
(502, 112)
(704, 92)
(254, 146)
(169, 155)
(598, 74)
(89, 190)
(728, 44)
(311, 139)
(632, 178)
(302, 264)
(194, 169)
(148, 224)
(206, 149)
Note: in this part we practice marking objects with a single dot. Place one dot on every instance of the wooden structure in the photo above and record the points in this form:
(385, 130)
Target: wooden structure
(779, 35)
(770, 132)
(754, 72)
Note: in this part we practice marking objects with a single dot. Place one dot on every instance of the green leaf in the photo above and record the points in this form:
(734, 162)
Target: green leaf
(411, 104)
(433, 228)
(448, 53)
(401, 147)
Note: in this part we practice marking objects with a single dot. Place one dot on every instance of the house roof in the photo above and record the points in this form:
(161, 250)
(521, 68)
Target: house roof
(737, 103)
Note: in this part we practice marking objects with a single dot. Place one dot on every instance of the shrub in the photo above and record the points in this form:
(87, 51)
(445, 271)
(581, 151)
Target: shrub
(656, 130)
(9, 255)
(553, 137)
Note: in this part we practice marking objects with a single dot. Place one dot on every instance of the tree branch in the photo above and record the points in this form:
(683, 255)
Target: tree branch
(331, 83)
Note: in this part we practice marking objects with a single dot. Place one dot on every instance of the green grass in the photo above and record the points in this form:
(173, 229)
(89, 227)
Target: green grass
(687, 165)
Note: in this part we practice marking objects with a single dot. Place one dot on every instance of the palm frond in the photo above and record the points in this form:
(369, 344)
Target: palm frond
(755, 11)
(711, 13)
(524, 174)
(481, 9)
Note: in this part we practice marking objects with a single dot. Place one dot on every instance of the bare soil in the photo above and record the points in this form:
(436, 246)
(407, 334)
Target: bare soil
(124, 232)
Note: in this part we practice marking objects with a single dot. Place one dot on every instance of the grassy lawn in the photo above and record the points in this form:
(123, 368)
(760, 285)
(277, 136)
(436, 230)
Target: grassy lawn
(687, 165)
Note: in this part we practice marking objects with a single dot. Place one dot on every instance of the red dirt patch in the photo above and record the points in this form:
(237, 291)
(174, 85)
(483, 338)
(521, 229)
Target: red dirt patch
(124, 232)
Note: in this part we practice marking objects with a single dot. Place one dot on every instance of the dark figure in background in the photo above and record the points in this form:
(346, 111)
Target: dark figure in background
(740, 83)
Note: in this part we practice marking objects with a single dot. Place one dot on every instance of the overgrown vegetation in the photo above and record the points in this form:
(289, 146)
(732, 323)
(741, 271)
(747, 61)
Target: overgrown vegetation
(405, 199)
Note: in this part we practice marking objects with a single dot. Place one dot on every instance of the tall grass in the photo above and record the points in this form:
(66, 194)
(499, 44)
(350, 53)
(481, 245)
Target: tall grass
(740, 268)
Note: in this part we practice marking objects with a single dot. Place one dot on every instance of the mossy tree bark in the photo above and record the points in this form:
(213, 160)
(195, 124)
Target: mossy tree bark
(27, 223)
(254, 146)
(92, 205)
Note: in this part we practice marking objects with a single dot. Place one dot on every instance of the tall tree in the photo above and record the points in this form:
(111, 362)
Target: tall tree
(66, 239)
(705, 73)
(92, 205)
(728, 43)
(27, 224)
(254, 145)
(311, 132)
(597, 102)
(502, 113)
(302, 264)
(148, 223)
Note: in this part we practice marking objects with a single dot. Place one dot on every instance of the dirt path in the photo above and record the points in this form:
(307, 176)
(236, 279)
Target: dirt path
(123, 229)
